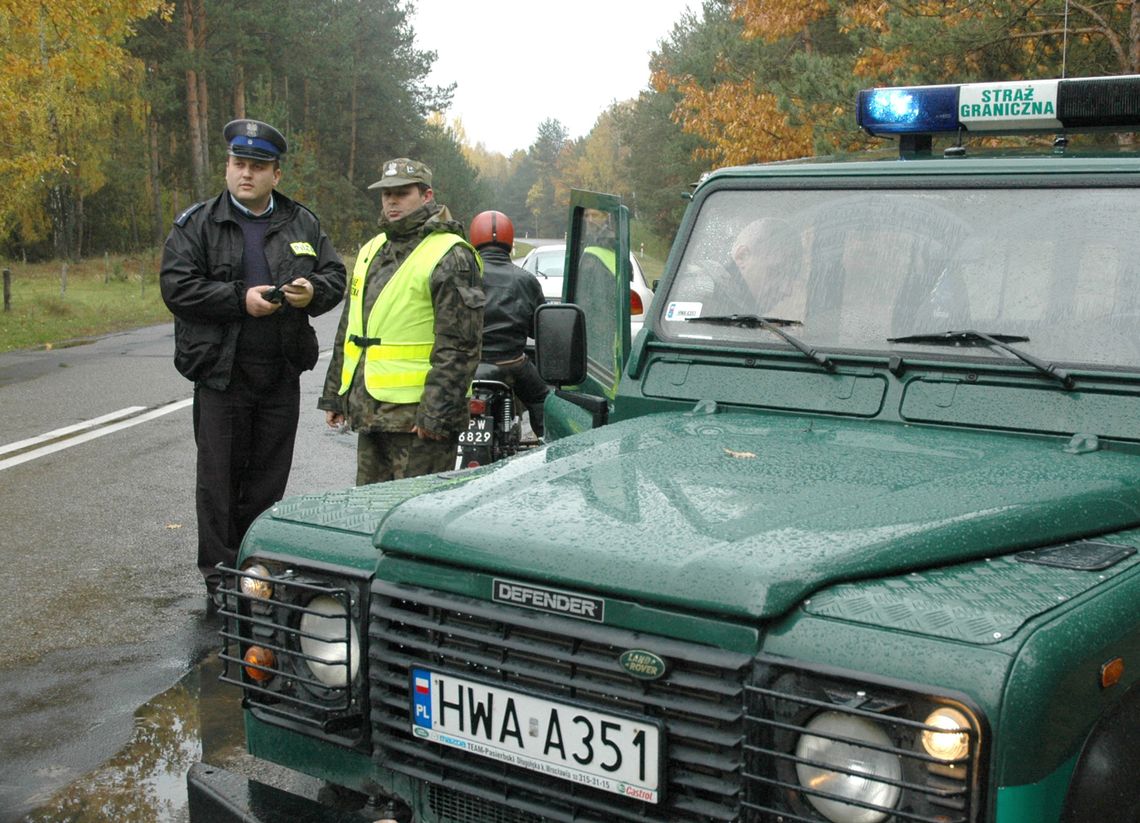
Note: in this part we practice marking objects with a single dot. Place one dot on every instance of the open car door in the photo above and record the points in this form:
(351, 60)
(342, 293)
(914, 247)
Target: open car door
(595, 294)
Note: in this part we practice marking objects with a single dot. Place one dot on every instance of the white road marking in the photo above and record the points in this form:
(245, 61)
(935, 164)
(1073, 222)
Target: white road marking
(61, 439)
(20, 445)
(94, 428)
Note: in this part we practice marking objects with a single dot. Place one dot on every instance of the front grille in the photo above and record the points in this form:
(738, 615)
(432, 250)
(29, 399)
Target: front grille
(922, 789)
(700, 702)
(738, 731)
(458, 807)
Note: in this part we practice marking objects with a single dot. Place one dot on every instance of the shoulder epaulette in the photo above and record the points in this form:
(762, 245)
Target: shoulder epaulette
(181, 219)
(305, 208)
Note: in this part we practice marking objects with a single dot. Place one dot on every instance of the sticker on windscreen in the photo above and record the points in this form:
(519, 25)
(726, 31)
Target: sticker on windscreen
(680, 311)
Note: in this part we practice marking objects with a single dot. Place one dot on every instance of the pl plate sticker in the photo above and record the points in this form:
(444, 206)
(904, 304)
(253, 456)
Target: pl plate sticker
(680, 311)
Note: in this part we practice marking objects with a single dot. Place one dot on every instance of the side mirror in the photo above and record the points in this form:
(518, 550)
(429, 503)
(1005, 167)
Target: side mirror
(560, 343)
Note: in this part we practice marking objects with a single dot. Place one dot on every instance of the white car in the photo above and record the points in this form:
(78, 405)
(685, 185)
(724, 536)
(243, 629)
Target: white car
(546, 263)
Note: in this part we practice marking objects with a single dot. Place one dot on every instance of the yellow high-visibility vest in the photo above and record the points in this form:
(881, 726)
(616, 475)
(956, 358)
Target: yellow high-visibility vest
(397, 347)
(605, 255)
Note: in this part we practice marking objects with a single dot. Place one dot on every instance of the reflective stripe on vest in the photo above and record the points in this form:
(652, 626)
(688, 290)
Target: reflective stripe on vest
(400, 337)
(605, 255)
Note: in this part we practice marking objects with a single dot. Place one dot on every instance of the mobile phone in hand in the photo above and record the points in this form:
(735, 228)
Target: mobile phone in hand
(274, 295)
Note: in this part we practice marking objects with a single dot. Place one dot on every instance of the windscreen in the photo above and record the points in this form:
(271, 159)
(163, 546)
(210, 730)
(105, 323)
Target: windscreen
(851, 269)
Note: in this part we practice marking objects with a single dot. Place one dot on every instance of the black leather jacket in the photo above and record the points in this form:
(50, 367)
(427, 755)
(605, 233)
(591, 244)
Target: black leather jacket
(513, 294)
(201, 283)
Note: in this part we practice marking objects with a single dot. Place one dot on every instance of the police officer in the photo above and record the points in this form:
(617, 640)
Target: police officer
(513, 295)
(408, 341)
(242, 341)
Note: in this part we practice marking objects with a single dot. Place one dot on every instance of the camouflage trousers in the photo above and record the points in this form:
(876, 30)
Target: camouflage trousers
(384, 456)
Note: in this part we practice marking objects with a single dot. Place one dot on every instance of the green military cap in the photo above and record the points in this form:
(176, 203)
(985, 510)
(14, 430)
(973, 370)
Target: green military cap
(403, 171)
(254, 139)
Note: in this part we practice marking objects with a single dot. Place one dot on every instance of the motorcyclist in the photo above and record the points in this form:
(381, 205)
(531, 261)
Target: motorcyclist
(513, 294)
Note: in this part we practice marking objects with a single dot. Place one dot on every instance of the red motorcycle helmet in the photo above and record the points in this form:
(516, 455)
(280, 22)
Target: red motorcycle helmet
(492, 227)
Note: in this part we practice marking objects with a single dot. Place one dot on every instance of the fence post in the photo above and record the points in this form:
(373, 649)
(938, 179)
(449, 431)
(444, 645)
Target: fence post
(63, 280)
(7, 290)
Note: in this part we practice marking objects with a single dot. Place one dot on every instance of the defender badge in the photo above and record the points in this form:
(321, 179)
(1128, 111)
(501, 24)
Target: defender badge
(642, 664)
(555, 601)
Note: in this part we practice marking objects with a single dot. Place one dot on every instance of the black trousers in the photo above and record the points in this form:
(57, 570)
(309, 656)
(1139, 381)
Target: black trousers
(245, 438)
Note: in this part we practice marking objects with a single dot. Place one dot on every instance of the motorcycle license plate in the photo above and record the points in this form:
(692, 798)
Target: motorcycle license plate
(478, 432)
(606, 751)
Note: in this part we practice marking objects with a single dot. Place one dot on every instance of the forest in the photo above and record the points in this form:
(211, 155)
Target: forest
(111, 110)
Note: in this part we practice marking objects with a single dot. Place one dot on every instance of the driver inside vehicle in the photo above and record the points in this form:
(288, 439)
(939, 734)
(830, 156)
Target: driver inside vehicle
(768, 253)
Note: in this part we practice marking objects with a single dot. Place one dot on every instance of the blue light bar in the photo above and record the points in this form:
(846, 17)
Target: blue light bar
(914, 110)
(1081, 104)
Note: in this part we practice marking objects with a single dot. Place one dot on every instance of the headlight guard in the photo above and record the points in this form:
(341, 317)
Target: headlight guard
(310, 620)
(842, 747)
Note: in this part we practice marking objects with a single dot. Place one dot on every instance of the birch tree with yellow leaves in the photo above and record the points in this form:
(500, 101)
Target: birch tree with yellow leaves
(64, 75)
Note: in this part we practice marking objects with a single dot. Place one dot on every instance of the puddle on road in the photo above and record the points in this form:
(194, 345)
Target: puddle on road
(145, 782)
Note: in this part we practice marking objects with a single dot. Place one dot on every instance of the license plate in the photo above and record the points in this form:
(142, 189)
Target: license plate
(478, 432)
(608, 752)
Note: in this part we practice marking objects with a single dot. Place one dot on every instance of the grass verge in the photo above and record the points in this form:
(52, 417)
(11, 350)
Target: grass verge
(99, 296)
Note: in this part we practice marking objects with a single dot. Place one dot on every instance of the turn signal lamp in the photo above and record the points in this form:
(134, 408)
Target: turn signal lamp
(257, 586)
(949, 740)
(1111, 672)
(259, 656)
(1077, 104)
(477, 405)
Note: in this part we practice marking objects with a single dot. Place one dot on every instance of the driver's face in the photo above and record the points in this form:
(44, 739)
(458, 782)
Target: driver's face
(761, 262)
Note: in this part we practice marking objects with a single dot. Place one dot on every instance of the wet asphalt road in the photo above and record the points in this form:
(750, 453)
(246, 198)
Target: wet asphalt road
(104, 701)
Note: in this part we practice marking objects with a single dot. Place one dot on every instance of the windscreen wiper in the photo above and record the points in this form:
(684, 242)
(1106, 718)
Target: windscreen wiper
(772, 324)
(997, 341)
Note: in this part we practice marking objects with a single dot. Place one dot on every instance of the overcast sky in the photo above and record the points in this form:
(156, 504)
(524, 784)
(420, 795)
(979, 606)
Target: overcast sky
(519, 62)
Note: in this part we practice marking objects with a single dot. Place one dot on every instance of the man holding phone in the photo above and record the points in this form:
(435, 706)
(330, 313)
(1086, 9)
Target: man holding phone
(243, 273)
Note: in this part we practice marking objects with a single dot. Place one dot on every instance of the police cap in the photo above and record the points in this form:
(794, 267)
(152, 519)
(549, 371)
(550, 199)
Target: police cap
(402, 172)
(254, 139)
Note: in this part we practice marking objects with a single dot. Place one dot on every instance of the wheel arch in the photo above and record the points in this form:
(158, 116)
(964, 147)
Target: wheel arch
(1105, 786)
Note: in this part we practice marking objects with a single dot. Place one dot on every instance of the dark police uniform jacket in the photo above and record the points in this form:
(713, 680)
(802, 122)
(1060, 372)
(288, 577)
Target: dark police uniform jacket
(201, 283)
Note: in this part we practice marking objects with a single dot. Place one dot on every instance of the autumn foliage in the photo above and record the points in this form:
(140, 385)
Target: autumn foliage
(63, 70)
(789, 94)
(111, 110)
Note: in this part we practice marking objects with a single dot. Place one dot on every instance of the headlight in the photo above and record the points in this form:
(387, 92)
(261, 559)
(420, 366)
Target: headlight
(258, 586)
(848, 770)
(951, 742)
(323, 641)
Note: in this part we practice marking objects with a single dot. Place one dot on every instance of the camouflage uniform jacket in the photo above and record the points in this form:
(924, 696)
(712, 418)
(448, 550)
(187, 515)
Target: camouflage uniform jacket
(457, 303)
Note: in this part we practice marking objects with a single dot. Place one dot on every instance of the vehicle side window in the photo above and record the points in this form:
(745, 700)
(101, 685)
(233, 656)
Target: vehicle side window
(596, 293)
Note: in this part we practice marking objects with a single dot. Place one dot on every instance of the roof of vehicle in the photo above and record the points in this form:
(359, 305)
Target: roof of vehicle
(990, 164)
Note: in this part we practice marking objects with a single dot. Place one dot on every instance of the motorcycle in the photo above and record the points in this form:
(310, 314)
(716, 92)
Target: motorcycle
(495, 430)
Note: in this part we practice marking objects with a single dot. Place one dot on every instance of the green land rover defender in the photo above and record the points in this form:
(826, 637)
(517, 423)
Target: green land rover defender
(848, 533)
